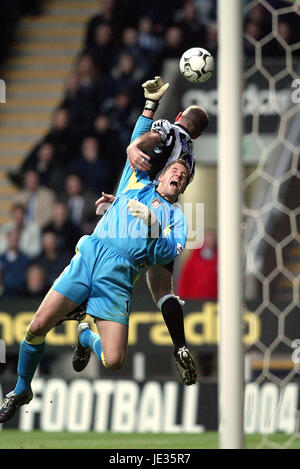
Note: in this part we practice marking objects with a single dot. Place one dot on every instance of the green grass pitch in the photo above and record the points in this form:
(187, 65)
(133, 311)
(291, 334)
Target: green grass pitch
(14, 439)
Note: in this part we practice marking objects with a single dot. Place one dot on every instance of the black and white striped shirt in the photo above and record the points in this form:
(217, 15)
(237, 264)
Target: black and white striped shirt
(176, 143)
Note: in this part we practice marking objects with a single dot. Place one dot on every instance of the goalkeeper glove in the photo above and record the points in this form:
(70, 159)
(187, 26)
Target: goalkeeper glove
(153, 92)
(137, 209)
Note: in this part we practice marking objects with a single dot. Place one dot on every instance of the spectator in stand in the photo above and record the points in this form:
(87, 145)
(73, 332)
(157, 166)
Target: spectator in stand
(257, 25)
(284, 32)
(44, 162)
(67, 233)
(121, 14)
(72, 100)
(262, 17)
(41, 159)
(189, 22)
(162, 12)
(174, 45)
(81, 205)
(149, 43)
(122, 113)
(29, 232)
(120, 109)
(94, 170)
(37, 199)
(86, 71)
(111, 145)
(126, 73)
(103, 50)
(253, 32)
(13, 266)
(109, 15)
(277, 46)
(199, 275)
(36, 281)
(105, 135)
(129, 45)
(206, 10)
(76, 101)
(87, 77)
(61, 136)
(52, 260)
(72, 87)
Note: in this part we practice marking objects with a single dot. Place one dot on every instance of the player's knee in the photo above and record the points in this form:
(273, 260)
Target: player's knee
(114, 366)
(114, 361)
(159, 282)
(38, 326)
(160, 290)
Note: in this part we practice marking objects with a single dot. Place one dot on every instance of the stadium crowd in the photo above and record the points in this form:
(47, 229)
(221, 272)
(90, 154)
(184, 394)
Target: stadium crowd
(83, 152)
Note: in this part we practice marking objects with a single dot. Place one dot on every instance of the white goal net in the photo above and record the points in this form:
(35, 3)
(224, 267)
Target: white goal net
(271, 221)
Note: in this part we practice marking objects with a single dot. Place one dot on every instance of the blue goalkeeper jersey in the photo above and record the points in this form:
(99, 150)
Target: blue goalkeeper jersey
(127, 234)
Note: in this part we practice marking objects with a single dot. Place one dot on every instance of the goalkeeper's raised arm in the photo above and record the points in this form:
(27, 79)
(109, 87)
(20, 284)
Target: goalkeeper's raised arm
(138, 160)
(153, 92)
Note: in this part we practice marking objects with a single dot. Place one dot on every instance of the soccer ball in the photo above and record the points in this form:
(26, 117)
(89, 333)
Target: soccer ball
(196, 65)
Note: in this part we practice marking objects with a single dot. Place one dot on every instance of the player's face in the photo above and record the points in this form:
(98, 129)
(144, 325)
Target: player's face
(173, 182)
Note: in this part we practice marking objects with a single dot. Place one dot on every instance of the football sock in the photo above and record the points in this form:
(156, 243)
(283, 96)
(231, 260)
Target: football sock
(93, 341)
(173, 316)
(29, 357)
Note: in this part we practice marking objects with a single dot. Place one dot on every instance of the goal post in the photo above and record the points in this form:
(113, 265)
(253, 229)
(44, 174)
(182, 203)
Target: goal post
(231, 380)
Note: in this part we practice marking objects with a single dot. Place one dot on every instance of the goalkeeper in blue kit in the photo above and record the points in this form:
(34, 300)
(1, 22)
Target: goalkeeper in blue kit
(142, 228)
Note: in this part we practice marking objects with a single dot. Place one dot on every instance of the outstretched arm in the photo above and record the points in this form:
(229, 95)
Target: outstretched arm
(137, 159)
(154, 90)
